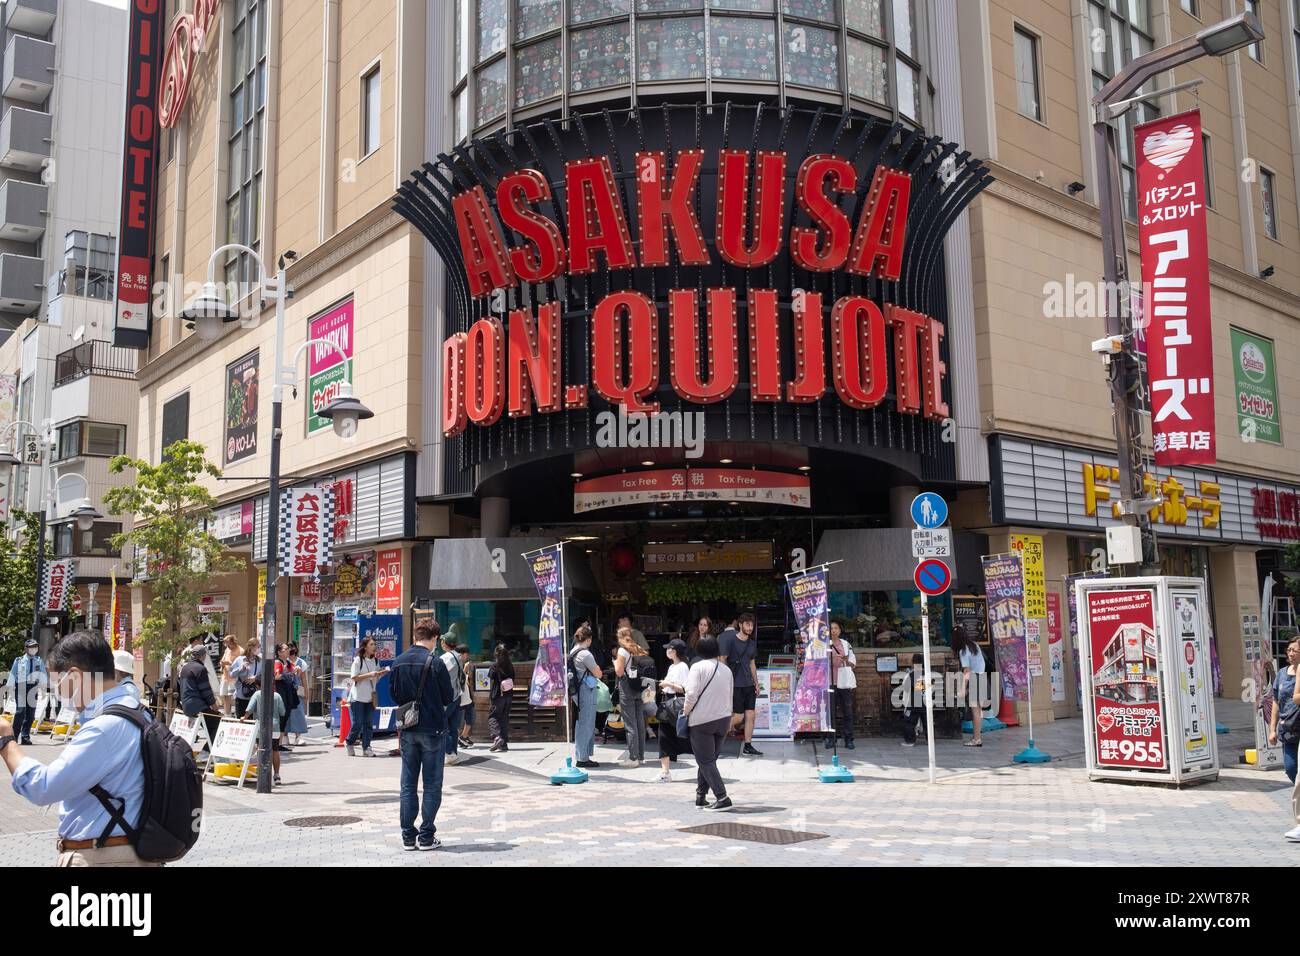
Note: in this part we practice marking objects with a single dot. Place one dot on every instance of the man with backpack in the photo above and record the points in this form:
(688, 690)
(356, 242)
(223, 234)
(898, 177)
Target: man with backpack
(456, 674)
(130, 791)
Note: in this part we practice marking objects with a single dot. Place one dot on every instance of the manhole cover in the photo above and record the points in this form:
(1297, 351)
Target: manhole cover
(772, 836)
(480, 787)
(377, 798)
(321, 821)
(749, 809)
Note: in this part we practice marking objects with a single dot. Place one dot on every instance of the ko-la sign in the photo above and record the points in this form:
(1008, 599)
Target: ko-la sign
(490, 370)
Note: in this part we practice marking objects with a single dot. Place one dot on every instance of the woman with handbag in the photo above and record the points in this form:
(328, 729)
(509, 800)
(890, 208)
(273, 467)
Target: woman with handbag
(631, 705)
(286, 685)
(846, 681)
(501, 685)
(1284, 722)
(361, 696)
(586, 676)
(674, 690)
(707, 714)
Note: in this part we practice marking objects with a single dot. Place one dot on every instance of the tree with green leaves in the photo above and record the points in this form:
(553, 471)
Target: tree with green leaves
(170, 507)
(18, 587)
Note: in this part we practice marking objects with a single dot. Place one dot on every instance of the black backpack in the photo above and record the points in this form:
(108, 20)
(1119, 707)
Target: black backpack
(172, 806)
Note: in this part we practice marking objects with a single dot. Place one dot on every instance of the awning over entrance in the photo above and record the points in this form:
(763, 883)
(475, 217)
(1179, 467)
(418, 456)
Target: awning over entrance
(488, 569)
(880, 559)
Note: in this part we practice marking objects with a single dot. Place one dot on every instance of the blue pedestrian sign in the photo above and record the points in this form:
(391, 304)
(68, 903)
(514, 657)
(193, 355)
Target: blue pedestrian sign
(929, 510)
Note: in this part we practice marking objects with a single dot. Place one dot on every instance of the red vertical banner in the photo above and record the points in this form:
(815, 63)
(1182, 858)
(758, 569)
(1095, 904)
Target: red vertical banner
(1128, 714)
(1176, 271)
(388, 579)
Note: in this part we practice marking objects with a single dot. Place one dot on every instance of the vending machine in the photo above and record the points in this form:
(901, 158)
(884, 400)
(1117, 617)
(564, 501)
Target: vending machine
(343, 647)
(1144, 659)
(349, 628)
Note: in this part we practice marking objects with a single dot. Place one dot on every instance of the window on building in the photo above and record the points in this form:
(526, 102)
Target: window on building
(96, 439)
(1118, 33)
(176, 420)
(370, 112)
(1255, 50)
(1295, 22)
(1268, 197)
(1207, 154)
(163, 286)
(89, 260)
(71, 542)
(1027, 87)
(247, 131)
(1191, 6)
(460, 69)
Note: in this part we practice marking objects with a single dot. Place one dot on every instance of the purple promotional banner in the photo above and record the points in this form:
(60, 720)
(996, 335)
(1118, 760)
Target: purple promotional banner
(808, 597)
(1004, 590)
(549, 683)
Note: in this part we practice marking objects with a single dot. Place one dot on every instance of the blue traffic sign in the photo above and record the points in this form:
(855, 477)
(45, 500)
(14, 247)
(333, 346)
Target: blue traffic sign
(929, 510)
(932, 577)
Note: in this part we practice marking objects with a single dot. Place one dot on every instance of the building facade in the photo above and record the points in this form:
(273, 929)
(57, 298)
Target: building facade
(356, 136)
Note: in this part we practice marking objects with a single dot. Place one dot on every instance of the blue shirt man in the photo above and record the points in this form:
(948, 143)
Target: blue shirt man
(26, 677)
(422, 746)
(105, 752)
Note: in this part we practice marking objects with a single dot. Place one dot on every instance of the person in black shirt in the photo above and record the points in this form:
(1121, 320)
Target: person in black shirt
(422, 747)
(739, 651)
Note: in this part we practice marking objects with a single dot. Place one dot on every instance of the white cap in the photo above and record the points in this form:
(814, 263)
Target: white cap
(124, 661)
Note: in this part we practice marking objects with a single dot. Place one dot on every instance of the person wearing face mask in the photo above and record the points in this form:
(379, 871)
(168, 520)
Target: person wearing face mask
(26, 678)
(104, 755)
(246, 670)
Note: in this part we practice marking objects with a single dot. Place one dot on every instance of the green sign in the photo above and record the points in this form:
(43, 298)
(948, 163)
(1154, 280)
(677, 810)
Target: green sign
(327, 369)
(1255, 374)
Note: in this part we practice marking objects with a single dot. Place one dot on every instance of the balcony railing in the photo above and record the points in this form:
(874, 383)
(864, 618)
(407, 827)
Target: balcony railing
(94, 358)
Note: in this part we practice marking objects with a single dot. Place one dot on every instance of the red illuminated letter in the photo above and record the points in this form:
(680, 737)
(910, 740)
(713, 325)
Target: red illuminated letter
(453, 385)
(817, 175)
(734, 204)
(659, 200)
(545, 260)
(858, 341)
(596, 219)
(933, 370)
(878, 245)
(481, 245)
(484, 392)
(721, 340)
(809, 350)
(607, 372)
(535, 360)
(764, 347)
(907, 387)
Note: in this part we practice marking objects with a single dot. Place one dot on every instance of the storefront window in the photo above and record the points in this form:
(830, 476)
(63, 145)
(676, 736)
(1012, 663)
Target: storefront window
(743, 49)
(889, 619)
(812, 57)
(584, 11)
(868, 74)
(670, 49)
(823, 10)
(491, 92)
(481, 625)
(533, 17)
(538, 74)
(599, 57)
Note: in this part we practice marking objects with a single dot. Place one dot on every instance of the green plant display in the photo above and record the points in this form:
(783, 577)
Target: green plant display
(669, 590)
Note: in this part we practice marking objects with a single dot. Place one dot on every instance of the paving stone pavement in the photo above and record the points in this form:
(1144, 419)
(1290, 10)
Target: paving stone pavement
(982, 811)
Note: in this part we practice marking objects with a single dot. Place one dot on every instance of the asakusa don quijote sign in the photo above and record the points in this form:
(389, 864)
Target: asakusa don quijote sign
(750, 270)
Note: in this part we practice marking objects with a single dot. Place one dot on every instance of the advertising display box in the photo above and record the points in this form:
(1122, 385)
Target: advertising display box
(1145, 670)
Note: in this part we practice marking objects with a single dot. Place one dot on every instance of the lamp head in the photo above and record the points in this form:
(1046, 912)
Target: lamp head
(8, 458)
(345, 411)
(85, 514)
(209, 313)
(1222, 38)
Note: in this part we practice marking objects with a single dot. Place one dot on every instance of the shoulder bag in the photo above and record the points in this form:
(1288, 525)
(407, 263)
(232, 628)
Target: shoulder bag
(683, 722)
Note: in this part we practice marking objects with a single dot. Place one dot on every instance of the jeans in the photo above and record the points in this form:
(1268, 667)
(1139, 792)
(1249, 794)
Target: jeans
(584, 735)
(706, 744)
(422, 757)
(1289, 758)
(629, 705)
(453, 728)
(363, 724)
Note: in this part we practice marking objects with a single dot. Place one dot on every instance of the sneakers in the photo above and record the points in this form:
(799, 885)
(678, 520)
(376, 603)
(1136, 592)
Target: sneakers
(497, 747)
(431, 845)
(587, 764)
(848, 745)
(723, 804)
(629, 763)
(368, 753)
(465, 743)
(701, 800)
(276, 780)
(905, 743)
(665, 777)
(1293, 835)
(408, 846)
(352, 751)
(749, 751)
(452, 759)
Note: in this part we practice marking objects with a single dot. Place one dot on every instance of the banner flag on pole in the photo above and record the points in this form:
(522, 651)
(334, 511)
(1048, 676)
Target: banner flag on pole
(550, 683)
(809, 597)
(1004, 589)
(306, 530)
(114, 631)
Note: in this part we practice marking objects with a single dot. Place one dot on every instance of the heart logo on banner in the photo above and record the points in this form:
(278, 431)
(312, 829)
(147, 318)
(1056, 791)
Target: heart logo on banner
(1167, 148)
(1105, 722)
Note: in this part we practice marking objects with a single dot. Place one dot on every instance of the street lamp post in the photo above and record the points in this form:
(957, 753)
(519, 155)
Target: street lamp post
(210, 313)
(1111, 102)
